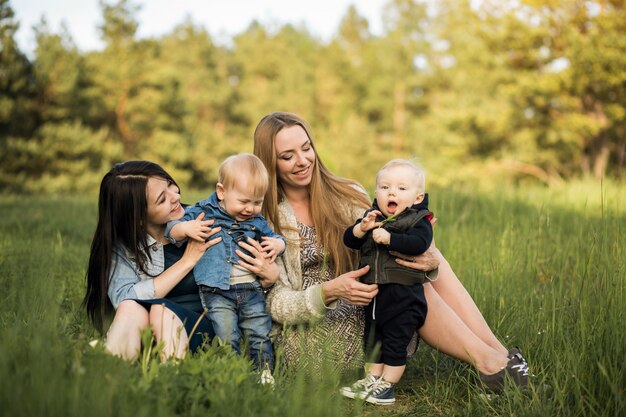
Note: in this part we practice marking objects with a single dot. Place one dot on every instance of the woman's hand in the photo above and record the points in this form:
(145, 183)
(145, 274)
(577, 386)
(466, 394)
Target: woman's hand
(347, 287)
(195, 249)
(427, 261)
(267, 270)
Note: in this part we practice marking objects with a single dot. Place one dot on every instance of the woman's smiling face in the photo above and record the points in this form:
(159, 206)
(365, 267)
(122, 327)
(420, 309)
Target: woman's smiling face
(163, 201)
(295, 157)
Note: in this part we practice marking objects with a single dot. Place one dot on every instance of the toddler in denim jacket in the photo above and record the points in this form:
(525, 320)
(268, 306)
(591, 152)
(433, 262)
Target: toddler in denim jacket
(231, 294)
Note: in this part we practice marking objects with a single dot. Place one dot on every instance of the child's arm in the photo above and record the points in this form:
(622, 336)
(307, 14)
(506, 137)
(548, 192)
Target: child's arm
(197, 229)
(354, 236)
(272, 243)
(414, 242)
(366, 224)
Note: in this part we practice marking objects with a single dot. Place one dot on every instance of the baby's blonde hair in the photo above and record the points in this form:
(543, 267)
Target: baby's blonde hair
(420, 174)
(246, 171)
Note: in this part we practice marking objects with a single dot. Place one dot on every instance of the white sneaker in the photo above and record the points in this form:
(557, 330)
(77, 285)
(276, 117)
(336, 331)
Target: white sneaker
(267, 378)
(359, 387)
(95, 343)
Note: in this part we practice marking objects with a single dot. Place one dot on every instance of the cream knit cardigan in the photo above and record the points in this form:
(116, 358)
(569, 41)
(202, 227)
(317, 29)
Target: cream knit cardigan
(287, 302)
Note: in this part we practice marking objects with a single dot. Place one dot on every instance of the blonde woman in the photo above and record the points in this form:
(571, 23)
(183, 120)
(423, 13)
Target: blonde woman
(312, 207)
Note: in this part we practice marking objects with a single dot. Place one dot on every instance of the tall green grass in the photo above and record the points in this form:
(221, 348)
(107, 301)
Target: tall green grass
(545, 266)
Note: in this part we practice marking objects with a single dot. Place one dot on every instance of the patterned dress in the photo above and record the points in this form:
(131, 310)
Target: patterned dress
(337, 338)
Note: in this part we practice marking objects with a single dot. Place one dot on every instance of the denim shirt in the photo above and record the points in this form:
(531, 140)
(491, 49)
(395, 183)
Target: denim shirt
(213, 269)
(127, 281)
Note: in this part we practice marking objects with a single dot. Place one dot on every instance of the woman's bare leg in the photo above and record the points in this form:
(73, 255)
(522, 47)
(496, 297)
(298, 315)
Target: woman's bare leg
(456, 296)
(124, 336)
(167, 327)
(445, 331)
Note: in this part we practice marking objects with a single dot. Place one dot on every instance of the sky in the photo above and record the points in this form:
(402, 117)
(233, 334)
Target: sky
(221, 18)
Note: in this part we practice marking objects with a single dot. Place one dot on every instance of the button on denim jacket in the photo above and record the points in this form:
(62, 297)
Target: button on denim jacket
(213, 269)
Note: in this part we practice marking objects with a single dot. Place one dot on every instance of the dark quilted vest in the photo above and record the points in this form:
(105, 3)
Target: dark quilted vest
(383, 267)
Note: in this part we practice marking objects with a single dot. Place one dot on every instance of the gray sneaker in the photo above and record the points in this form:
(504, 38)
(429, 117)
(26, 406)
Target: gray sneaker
(516, 351)
(359, 387)
(516, 370)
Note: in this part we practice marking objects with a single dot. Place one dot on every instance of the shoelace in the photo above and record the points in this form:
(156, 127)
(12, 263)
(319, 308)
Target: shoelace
(379, 386)
(363, 384)
(522, 367)
(267, 378)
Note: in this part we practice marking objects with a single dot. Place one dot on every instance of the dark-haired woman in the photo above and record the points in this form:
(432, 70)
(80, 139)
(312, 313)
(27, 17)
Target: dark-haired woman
(134, 272)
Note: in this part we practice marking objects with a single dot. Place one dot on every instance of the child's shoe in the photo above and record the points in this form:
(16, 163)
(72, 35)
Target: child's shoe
(359, 387)
(96, 343)
(381, 393)
(266, 376)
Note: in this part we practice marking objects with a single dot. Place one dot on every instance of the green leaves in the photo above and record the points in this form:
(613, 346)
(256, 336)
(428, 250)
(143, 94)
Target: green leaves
(389, 219)
(484, 92)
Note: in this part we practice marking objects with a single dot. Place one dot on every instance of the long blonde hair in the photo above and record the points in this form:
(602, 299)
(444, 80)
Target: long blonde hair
(332, 198)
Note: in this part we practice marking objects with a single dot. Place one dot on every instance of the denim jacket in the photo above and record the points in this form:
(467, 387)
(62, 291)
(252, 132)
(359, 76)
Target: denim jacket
(213, 269)
(127, 281)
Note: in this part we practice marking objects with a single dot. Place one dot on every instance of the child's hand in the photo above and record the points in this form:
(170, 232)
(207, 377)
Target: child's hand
(381, 236)
(197, 229)
(272, 247)
(366, 224)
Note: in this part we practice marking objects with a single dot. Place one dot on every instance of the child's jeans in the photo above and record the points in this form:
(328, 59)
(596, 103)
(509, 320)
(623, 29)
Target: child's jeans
(241, 309)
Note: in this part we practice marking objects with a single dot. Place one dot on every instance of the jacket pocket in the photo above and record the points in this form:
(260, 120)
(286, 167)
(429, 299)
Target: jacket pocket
(398, 274)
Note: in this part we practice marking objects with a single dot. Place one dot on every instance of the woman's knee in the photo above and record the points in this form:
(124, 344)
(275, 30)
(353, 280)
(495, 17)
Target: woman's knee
(162, 319)
(123, 338)
(157, 313)
(132, 313)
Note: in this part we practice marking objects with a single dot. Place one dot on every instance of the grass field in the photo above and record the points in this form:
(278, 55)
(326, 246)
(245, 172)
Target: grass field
(547, 268)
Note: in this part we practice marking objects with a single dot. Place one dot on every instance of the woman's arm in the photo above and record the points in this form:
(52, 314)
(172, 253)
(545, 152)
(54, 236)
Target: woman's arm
(168, 279)
(427, 261)
(126, 283)
(292, 306)
(347, 287)
(286, 304)
(258, 264)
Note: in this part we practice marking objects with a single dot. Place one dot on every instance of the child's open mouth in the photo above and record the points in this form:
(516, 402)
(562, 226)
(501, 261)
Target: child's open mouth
(392, 207)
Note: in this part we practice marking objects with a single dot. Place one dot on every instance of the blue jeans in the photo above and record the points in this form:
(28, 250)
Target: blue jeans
(241, 310)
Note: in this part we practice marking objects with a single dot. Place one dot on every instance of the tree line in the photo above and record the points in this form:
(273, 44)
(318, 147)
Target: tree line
(515, 90)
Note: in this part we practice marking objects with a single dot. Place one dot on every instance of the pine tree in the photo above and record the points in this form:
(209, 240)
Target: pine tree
(17, 87)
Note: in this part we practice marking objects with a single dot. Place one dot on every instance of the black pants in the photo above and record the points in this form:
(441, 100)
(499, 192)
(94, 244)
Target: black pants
(390, 321)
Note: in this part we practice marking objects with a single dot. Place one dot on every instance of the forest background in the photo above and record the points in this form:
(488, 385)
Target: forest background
(526, 97)
(487, 93)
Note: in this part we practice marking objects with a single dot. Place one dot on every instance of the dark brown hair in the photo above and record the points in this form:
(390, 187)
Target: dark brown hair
(122, 221)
